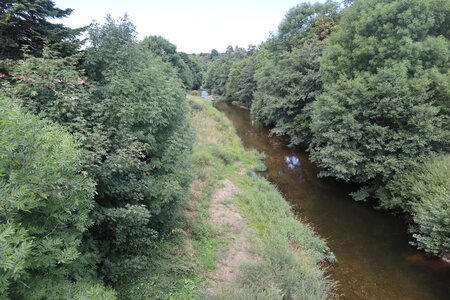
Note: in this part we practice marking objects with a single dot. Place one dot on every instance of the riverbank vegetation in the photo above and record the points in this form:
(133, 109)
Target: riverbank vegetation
(364, 87)
(286, 254)
(90, 198)
(104, 192)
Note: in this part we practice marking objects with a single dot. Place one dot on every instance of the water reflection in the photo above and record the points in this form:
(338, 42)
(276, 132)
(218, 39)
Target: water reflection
(292, 161)
(375, 259)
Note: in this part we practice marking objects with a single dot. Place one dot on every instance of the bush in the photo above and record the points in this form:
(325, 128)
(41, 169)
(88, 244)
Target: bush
(194, 93)
(433, 224)
(358, 138)
(45, 208)
(196, 105)
(425, 193)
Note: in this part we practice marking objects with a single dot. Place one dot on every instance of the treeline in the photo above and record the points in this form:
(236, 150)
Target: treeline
(365, 88)
(94, 149)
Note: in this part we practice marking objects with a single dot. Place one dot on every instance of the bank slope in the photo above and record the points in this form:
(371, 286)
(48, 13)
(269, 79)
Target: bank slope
(285, 254)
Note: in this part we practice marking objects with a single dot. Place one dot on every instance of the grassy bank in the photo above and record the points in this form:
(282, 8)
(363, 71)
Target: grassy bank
(287, 255)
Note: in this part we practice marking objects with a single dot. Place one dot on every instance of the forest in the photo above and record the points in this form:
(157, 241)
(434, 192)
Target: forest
(99, 145)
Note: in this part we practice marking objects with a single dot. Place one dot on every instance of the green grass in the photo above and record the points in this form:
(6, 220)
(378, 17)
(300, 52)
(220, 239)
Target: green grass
(287, 254)
(239, 103)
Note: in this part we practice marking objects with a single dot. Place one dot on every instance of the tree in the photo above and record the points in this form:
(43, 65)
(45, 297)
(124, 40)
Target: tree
(376, 34)
(168, 52)
(240, 84)
(217, 74)
(287, 70)
(143, 176)
(383, 75)
(192, 62)
(130, 116)
(285, 89)
(25, 23)
(214, 54)
(300, 25)
(233, 82)
(46, 199)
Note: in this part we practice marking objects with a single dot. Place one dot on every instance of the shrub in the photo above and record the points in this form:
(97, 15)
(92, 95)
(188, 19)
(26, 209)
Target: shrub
(425, 192)
(194, 93)
(196, 105)
(433, 224)
(45, 208)
(358, 138)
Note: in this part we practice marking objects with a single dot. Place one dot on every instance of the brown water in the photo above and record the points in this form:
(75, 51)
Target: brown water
(375, 259)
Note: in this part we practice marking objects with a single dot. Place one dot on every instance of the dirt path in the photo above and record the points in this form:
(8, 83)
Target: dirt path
(233, 233)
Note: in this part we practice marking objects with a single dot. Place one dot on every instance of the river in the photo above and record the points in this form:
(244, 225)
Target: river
(375, 260)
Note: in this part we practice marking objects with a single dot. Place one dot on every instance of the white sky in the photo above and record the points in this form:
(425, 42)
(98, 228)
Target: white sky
(194, 26)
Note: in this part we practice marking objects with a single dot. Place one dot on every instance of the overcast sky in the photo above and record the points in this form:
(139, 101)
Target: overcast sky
(193, 25)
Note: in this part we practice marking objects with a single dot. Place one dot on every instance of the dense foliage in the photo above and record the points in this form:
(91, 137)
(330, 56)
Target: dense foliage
(196, 68)
(285, 88)
(379, 113)
(186, 68)
(130, 116)
(143, 177)
(288, 77)
(241, 84)
(25, 23)
(424, 192)
(216, 77)
(365, 86)
(46, 199)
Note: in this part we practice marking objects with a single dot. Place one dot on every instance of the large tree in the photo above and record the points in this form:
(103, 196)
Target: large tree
(241, 84)
(26, 23)
(287, 69)
(168, 52)
(386, 91)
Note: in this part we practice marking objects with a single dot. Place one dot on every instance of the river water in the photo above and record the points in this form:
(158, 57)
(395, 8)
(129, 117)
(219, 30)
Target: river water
(375, 260)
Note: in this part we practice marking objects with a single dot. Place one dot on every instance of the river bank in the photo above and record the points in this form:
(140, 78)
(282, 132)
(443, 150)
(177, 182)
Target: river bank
(375, 260)
(238, 237)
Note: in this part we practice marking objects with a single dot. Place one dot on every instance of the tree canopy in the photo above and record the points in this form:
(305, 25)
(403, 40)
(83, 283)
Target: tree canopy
(25, 23)
(168, 52)
(379, 113)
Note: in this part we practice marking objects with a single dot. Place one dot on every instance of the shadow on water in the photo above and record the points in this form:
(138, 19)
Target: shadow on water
(372, 246)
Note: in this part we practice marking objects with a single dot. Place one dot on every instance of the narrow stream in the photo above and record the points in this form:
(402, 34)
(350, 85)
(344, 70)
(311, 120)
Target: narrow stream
(375, 259)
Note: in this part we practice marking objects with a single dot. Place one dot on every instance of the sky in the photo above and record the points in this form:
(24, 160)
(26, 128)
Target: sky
(194, 26)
